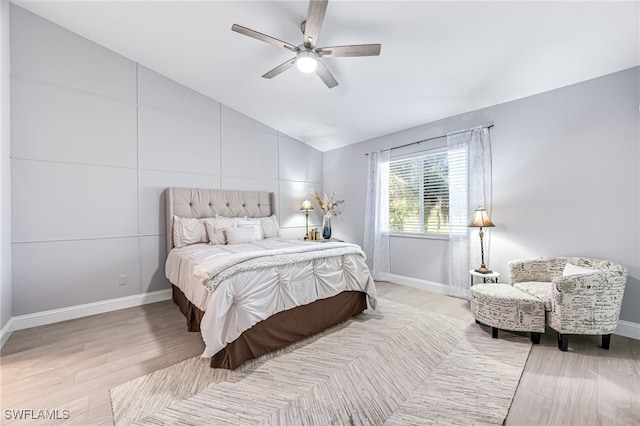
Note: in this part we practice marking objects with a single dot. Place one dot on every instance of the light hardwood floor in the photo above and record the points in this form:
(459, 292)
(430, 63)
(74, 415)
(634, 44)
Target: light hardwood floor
(73, 364)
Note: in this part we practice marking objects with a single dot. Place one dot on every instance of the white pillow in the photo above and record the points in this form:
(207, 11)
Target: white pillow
(270, 227)
(252, 224)
(570, 269)
(246, 221)
(241, 235)
(188, 231)
(216, 226)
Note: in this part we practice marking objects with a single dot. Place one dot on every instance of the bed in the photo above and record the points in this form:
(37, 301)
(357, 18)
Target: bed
(248, 291)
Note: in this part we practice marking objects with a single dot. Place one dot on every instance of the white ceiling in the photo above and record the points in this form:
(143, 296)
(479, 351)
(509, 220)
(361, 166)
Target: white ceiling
(438, 58)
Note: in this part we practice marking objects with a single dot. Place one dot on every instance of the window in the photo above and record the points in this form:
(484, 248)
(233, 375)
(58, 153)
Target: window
(419, 187)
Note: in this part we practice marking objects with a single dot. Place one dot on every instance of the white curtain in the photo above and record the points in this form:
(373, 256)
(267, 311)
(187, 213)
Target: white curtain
(464, 245)
(376, 217)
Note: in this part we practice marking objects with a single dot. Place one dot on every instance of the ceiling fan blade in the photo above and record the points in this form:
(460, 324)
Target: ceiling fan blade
(315, 17)
(280, 68)
(326, 76)
(351, 50)
(263, 37)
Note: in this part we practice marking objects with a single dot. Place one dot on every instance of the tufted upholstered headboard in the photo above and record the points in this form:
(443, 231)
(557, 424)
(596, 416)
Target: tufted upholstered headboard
(197, 203)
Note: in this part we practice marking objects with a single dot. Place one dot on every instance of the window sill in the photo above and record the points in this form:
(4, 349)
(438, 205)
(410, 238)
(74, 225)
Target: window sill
(444, 237)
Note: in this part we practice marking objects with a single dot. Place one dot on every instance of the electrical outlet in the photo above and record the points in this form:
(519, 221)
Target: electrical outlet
(122, 280)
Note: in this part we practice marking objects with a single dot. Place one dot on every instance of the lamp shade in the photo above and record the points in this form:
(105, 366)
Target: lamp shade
(306, 205)
(307, 61)
(480, 219)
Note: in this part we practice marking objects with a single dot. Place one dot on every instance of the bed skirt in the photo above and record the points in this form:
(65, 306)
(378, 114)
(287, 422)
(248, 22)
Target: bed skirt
(278, 330)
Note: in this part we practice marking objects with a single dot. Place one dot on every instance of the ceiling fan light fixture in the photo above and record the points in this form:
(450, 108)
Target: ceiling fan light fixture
(307, 61)
(307, 53)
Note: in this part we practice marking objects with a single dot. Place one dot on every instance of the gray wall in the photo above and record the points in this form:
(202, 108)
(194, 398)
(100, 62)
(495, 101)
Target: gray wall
(95, 138)
(5, 169)
(566, 181)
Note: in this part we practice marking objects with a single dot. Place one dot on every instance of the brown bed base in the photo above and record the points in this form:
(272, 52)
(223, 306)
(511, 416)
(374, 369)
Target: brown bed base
(278, 330)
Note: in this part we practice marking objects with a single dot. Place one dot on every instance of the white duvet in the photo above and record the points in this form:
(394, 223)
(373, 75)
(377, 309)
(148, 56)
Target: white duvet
(240, 285)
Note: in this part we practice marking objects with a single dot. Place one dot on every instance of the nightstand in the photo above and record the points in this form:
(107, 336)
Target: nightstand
(492, 277)
(333, 240)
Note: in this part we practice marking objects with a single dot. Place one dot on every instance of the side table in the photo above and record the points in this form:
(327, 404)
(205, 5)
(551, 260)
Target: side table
(491, 277)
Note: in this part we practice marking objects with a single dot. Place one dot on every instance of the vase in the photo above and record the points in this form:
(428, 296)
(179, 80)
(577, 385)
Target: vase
(326, 226)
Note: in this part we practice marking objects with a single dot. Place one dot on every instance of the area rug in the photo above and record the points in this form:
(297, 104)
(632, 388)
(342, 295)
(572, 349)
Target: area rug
(397, 365)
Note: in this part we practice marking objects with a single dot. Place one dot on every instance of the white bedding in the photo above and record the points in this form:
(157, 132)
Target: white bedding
(240, 285)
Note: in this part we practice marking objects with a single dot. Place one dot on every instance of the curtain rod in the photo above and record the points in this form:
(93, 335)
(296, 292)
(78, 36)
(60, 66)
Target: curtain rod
(432, 138)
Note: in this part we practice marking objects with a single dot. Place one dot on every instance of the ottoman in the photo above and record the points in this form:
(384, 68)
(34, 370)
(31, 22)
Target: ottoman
(502, 306)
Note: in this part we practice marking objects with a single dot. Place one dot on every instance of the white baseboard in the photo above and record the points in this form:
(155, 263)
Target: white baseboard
(628, 329)
(56, 315)
(420, 284)
(6, 332)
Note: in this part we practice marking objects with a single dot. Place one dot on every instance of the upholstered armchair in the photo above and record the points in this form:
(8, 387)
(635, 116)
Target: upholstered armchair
(581, 295)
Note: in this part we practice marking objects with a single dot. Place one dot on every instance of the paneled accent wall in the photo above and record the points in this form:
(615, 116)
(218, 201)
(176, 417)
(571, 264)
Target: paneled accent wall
(95, 138)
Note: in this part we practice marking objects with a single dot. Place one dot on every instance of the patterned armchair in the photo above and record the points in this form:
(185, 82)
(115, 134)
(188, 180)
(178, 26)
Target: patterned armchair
(582, 298)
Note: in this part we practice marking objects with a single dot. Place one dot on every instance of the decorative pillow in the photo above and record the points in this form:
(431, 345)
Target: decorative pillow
(241, 235)
(210, 227)
(252, 224)
(188, 231)
(270, 227)
(570, 269)
(216, 226)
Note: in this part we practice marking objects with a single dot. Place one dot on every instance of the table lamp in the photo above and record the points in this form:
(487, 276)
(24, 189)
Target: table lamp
(481, 220)
(306, 207)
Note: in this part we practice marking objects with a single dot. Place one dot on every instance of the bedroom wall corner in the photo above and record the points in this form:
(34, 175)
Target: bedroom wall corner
(6, 309)
(344, 170)
(300, 171)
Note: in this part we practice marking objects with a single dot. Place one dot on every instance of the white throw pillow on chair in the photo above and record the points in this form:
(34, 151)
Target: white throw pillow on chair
(570, 270)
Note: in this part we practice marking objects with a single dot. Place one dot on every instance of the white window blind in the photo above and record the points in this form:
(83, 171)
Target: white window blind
(419, 187)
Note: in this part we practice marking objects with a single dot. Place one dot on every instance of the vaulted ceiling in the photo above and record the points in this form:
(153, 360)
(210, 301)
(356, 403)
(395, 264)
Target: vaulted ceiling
(438, 58)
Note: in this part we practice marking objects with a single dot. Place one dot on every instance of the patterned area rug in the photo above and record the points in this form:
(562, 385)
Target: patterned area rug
(397, 365)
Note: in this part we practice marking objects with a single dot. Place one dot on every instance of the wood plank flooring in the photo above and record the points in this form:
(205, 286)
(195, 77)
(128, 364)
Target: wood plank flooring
(73, 364)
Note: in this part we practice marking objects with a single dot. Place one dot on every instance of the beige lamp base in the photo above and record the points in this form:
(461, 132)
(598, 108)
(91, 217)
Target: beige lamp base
(483, 270)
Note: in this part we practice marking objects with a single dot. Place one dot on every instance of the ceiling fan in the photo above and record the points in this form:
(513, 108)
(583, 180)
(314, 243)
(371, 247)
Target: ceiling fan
(307, 54)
